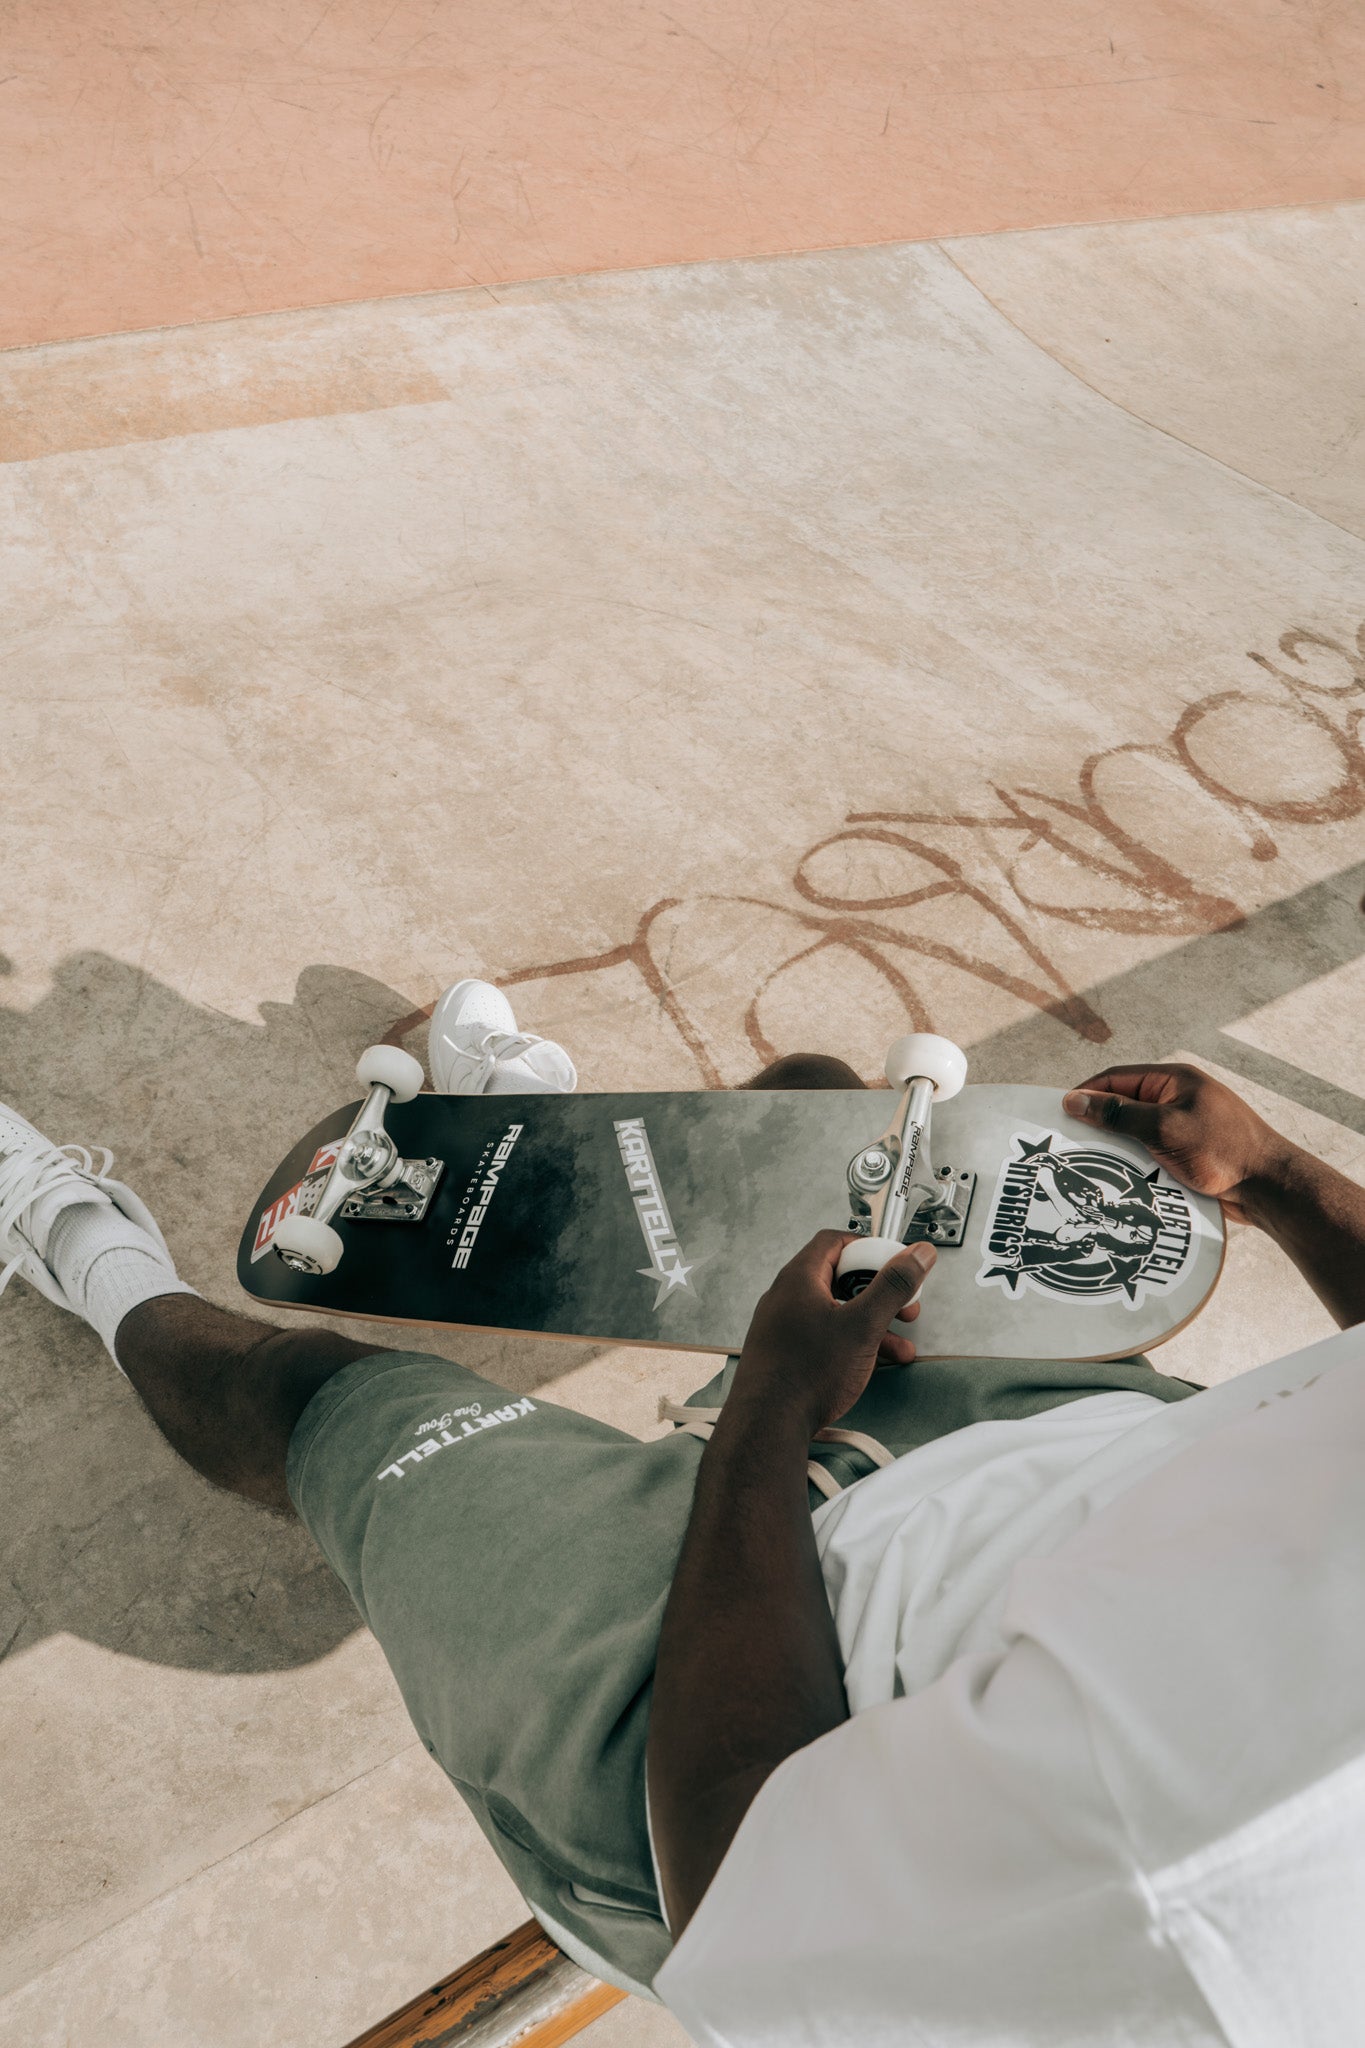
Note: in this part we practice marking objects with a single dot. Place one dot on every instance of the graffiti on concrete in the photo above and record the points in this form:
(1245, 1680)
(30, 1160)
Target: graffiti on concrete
(1306, 767)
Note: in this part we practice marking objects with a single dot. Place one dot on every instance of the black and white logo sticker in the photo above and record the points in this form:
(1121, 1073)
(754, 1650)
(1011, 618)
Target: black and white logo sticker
(1081, 1222)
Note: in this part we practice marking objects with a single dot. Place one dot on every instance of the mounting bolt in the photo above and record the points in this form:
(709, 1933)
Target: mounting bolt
(870, 1169)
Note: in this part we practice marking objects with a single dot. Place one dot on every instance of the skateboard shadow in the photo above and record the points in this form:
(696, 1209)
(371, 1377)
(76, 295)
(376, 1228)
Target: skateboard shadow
(106, 1534)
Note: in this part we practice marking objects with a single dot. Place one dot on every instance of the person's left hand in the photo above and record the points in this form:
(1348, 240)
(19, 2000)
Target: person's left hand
(814, 1355)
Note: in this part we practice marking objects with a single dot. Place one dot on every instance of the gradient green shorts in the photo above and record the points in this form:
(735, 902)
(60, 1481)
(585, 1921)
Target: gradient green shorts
(513, 1559)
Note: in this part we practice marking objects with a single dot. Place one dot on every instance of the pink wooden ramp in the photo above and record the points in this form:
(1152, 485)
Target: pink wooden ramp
(164, 166)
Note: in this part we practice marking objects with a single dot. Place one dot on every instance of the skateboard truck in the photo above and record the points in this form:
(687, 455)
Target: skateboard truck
(940, 1220)
(895, 1194)
(367, 1182)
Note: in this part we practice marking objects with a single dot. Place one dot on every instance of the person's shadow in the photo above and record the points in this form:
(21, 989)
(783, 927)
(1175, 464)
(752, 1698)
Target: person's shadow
(105, 1533)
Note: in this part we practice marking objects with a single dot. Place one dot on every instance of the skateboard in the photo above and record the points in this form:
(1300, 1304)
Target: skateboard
(659, 1219)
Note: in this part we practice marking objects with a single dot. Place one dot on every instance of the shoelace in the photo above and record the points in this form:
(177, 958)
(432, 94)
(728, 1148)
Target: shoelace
(33, 1168)
(501, 1045)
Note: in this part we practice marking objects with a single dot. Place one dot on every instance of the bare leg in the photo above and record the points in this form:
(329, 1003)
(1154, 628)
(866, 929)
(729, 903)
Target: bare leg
(225, 1390)
(806, 1070)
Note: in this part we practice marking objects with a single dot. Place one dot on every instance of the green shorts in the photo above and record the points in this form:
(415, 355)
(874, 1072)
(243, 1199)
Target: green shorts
(513, 1559)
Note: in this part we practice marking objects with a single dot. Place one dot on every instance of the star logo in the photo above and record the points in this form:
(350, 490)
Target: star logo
(669, 1279)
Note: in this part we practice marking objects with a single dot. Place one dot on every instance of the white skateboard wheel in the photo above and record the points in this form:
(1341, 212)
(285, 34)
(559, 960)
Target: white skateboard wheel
(922, 1056)
(860, 1263)
(314, 1246)
(388, 1066)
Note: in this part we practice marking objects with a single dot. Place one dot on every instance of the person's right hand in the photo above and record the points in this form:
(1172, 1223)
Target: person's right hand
(1202, 1133)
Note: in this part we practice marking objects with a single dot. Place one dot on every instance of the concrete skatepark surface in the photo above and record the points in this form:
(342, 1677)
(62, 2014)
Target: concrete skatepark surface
(730, 656)
(160, 168)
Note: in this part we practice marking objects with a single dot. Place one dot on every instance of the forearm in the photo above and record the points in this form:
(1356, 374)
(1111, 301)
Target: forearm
(1317, 1216)
(749, 1668)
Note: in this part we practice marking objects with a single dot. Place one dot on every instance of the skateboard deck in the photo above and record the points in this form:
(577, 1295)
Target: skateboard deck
(660, 1219)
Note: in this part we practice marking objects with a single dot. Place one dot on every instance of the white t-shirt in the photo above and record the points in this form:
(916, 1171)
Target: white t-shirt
(1104, 1786)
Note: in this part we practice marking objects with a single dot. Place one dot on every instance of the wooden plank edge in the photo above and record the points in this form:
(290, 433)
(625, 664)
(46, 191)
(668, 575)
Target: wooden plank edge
(523, 1992)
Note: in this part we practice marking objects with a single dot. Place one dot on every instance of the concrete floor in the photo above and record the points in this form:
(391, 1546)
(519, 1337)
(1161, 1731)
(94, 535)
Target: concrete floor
(733, 657)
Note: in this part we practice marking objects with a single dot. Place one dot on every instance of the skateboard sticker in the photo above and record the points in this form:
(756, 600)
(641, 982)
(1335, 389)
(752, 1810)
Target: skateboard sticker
(667, 1267)
(287, 1203)
(1079, 1222)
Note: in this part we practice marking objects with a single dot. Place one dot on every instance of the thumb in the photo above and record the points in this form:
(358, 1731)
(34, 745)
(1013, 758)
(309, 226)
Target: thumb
(1140, 1120)
(896, 1286)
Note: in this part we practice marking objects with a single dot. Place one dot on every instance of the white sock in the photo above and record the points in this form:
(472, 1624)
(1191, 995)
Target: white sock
(108, 1264)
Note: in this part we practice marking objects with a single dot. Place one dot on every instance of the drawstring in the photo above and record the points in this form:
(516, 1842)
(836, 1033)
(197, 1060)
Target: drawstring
(700, 1422)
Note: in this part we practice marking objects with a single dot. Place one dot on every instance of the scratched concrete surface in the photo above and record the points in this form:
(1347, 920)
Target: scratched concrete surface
(731, 658)
(163, 165)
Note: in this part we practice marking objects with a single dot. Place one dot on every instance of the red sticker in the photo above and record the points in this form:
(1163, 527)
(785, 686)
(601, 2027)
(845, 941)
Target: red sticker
(287, 1203)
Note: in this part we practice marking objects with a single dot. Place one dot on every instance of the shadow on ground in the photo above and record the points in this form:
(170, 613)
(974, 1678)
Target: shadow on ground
(107, 1535)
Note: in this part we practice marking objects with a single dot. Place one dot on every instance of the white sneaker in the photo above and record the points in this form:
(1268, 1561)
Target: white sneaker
(475, 1048)
(37, 1181)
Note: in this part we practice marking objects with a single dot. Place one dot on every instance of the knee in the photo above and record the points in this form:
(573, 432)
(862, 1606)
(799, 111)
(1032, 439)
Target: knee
(290, 1365)
(807, 1070)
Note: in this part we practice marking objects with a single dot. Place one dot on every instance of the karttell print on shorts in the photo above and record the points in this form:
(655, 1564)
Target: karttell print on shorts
(1083, 1222)
(447, 1438)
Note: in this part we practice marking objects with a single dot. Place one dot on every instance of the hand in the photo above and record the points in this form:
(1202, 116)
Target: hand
(1203, 1134)
(813, 1355)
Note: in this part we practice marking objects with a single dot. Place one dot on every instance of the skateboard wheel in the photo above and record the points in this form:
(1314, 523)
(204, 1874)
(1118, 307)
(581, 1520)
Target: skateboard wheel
(922, 1056)
(307, 1245)
(388, 1066)
(860, 1263)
